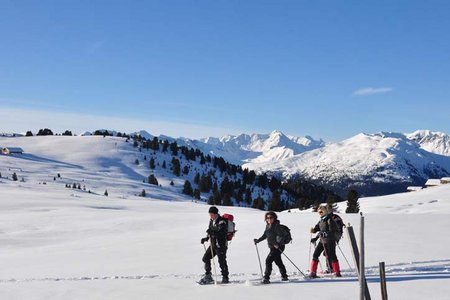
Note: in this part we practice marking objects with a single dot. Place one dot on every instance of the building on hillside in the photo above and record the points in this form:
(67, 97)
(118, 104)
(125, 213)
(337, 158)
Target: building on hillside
(445, 180)
(12, 150)
(414, 188)
(432, 182)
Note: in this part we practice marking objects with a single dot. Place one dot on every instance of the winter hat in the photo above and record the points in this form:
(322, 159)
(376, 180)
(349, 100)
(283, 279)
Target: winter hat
(213, 210)
(271, 213)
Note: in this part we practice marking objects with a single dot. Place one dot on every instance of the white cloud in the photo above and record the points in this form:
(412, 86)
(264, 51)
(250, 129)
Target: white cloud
(18, 120)
(372, 91)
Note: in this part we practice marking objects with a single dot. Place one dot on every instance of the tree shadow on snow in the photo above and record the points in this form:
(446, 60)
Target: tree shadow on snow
(35, 158)
(108, 207)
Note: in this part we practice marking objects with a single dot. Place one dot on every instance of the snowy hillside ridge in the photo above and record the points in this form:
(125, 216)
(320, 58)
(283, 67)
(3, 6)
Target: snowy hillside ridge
(9, 134)
(432, 200)
(365, 160)
(143, 167)
(435, 142)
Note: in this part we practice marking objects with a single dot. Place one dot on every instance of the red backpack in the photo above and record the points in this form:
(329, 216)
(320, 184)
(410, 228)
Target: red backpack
(231, 226)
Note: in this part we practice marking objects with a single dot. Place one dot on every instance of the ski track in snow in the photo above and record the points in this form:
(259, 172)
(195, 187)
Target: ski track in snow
(394, 272)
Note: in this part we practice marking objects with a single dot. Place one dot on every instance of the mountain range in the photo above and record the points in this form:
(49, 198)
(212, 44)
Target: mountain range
(374, 164)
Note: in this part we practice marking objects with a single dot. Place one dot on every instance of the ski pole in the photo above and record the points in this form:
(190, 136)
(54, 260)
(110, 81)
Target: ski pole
(310, 245)
(326, 255)
(351, 270)
(320, 263)
(293, 263)
(259, 260)
(213, 260)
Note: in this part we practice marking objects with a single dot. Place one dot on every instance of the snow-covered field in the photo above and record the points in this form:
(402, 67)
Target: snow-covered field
(59, 243)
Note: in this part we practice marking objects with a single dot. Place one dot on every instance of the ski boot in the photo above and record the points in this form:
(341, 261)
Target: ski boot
(225, 280)
(206, 279)
(265, 281)
(284, 278)
(313, 274)
(336, 268)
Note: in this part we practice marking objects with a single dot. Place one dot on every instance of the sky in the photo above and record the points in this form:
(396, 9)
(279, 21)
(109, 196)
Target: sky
(329, 69)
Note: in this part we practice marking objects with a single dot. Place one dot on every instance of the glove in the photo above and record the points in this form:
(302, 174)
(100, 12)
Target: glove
(203, 240)
(209, 231)
(314, 240)
(276, 246)
(323, 234)
(255, 241)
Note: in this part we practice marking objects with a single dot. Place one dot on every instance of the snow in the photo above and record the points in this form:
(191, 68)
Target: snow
(436, 142)
(376, 158)
(59, 243)
(257, 148)
(432, 200)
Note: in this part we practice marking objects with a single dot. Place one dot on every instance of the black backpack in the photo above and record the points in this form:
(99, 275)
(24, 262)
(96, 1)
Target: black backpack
(285, 235)
(340, 226)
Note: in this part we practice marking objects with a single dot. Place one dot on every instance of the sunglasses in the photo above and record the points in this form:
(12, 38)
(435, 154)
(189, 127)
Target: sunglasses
(267, 218)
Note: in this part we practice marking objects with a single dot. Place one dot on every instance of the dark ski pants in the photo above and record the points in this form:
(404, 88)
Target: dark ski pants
(221, 255)
(330, 251)
(275, 256)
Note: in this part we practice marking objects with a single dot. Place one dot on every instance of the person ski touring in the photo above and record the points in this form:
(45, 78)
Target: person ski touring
(328, 234)
(217, 236)
(277, 236)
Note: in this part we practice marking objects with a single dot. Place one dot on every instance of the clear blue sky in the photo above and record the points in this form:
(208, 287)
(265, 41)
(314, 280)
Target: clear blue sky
(329, 69)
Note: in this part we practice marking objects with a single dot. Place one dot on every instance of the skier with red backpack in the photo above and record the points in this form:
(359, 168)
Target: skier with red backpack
(277, 236)
(218, 235)
(329, 229)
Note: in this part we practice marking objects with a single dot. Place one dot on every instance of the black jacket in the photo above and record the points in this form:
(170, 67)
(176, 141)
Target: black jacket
(327, 229)
(217, 231)
(273, 234)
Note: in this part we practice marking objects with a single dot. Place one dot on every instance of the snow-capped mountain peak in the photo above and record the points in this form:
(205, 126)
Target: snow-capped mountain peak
(258, 147)
(435, 142)
(383, 162)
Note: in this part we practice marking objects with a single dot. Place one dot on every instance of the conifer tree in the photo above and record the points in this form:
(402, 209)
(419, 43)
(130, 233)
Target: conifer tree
(227, 200)
(187, 188)
(352, 202)
(197, 178)
(275, 203)
(217, 199)
(176, 168)
(152, 179)
(152, 163)
(248, 196)
(331, 202)
(197, 194)
(165, 146)
(174, 148)
(186, 170)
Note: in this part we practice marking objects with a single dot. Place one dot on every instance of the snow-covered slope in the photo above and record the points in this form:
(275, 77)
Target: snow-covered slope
(57, 243)
(435, 142)
(373, 163)
(95, 162)
(85, 161)
(433, 200)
